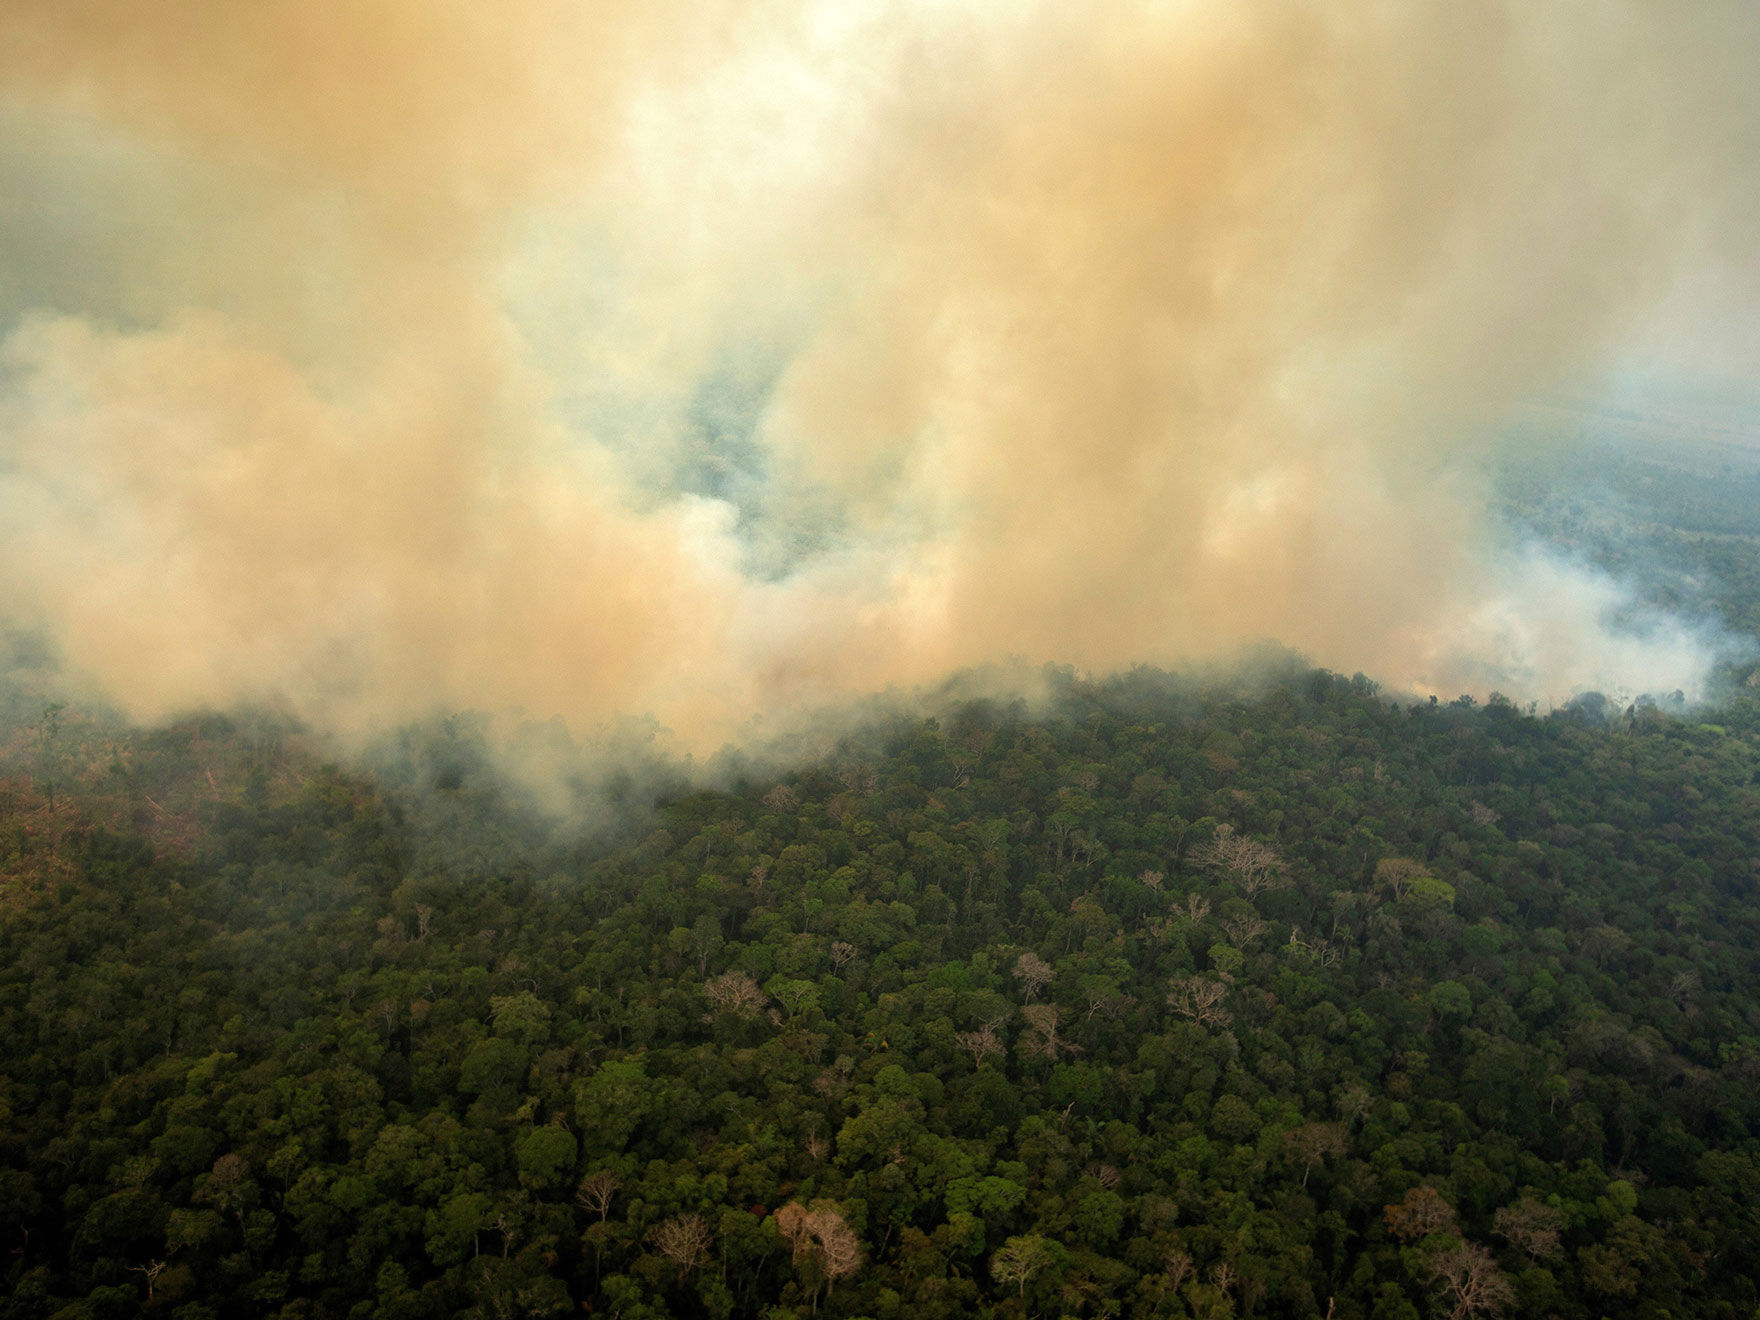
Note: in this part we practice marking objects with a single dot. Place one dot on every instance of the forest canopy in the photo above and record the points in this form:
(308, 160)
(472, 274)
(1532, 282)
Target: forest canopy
(1170, 999)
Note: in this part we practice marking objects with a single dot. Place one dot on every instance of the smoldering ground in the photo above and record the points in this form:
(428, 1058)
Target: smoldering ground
(711, 363)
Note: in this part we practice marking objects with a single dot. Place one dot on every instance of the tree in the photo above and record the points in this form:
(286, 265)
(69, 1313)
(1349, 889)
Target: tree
(980, 1044)
(228, 1187)
(1530, 1226)
(823, 1243)
(1468, 1280)
(1041, 1039)
(1019, 1259)
(1243, 928)
(1255, 866)
(1178, 1265)
(1313, 1142)
(1421, 1213)
(546, 1156)
(735, 992)
(1398, 874)
(1033, 973)
(684, 1240)
(149, 1272)
(1200, 999)
(597, 1190)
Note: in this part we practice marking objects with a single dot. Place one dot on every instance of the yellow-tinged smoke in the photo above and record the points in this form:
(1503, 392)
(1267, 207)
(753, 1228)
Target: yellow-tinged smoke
(1097, 334)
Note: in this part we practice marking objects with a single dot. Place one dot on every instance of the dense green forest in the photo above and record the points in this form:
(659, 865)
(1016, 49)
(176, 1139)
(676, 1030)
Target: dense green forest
(1165, 999)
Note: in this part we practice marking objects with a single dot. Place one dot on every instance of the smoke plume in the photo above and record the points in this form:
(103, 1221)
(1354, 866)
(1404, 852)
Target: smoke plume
(701, 361)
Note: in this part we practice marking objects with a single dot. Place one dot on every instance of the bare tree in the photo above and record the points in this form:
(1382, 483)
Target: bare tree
(1314, 1142)
(1397, 874)
(822, 1240)
(735, 992)
(1019, 1259)
(1041, 1038)
(980, 1044)
(508, 1222)
(596, 1192)
(1243, 929)
(1179, 1266)
(1321, 951)
(684, 1240)
(1200, 999)
(1111, 1005)
(150, 1271)
(791, 1223)
(1104, 1174)
(839, 1247)
(1530, 1226)
(842, 952)
(1032, 972)
(1197, 907)
(1468, 1280)
(1255, 866)
(1152, 879)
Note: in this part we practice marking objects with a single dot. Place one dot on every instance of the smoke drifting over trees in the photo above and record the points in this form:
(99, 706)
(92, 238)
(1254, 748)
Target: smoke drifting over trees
(703, 361)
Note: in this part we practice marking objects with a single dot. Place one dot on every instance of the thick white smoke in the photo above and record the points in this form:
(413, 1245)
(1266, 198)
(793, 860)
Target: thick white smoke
(703, 361)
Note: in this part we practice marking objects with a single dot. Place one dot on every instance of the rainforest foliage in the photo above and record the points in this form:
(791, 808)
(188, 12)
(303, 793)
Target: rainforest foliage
(1171, 1001)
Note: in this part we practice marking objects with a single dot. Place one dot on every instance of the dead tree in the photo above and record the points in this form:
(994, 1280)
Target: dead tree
(980, 1044)
(735, 992)
(1041, 1039)
(1399, 873)
(1200, 999)
(150, 1271)
(1255, 866)
(1244, 929)
(1530, 1226)
(1468, 1280)
(684, 1240)
(823, 1243)
(1033, 973)
(596, 1192)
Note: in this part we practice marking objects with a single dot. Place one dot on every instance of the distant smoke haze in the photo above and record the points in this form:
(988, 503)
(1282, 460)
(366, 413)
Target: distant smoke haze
(707, 361)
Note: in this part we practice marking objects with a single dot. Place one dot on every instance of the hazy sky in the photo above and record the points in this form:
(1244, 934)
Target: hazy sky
(703, 359)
